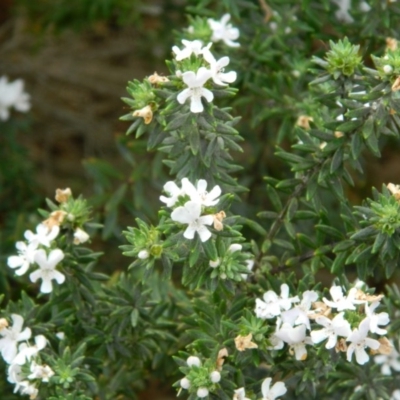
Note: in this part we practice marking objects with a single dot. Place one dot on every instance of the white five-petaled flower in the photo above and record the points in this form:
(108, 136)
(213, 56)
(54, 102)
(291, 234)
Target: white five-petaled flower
(26, 352)
(11, 336)
(273, 305)
(359, 342)
(341, 302)
(217, 69)
(299, 313)
(12, 95)
(376, 319)
(333, 328)
(388, 362)
(222, 30)
(25, 257)
(190, 214)
(272, 393)
(240, 394)
(296, 338)
(47, 271)
(199, 192)
(191, 47)
(196, 90)
(275, 341)
(43, 235)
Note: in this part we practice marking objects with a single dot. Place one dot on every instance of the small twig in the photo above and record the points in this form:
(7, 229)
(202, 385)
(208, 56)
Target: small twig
(267, 10)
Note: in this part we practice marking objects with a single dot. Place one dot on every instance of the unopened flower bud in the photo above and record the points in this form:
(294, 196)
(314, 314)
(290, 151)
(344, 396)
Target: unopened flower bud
(193, 361)
(146, 113)
(338, 134)
(80, 236)
(3, 323)
(215, 377)
(155, 79)
(143, 254)
(185, 383)
(202, 392)
(235, 247)
(387, 69)
(214, 264)
(62, 195)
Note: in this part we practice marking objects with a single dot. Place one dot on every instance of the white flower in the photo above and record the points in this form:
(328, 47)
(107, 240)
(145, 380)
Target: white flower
(273, 304)
(190, 214)
(359, 342)
(341, 302)
(215, 377)
(338, 326)
(193, 361)
(191, 47)
(43, 372)
(202, 392)
(11, 336)
(26, 352)
(240, 394)
(199, 192)
(172, 189)
(60, 335)
(43, 235)
(395, 395)
(278, 389)
(217, 69)
(299, 314)
(195, 90)
(214, 263)
(276, 342)
(185, 383)
(12, 95)
(47, 271)
(389, 361)
(221, 30)
(296, 338)
(80, 236)
(25, 387)
(25, 257)
(376, 319)
(249, 265)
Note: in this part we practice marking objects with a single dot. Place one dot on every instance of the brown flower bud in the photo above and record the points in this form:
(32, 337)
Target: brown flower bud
(146, 113)
(3, 323)
(341, 346)
(155, 79)
(244, 342)
(391, 44)
(396, 85)
(221, 358)
(56, 218)
(304, 121)
(218, 218)
(62, 195)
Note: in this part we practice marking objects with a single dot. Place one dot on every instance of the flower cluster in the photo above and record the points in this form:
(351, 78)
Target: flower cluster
(200, 379)
(347, 329)
(39, 248)
(192, 202)
(12, 95)
(209, 68)
(25, 368)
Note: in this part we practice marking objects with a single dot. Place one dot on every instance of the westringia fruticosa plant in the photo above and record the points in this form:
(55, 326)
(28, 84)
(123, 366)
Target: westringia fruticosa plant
(225, 305)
